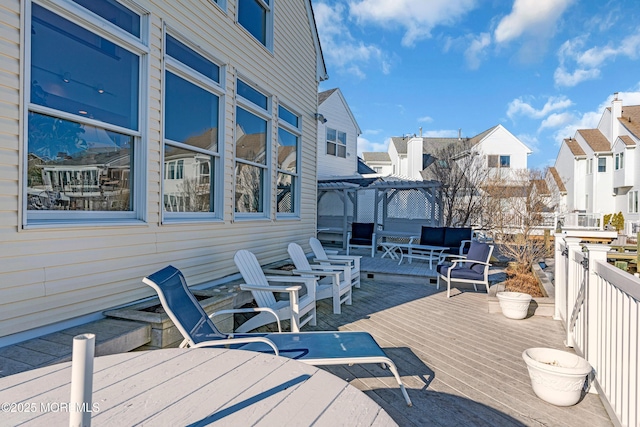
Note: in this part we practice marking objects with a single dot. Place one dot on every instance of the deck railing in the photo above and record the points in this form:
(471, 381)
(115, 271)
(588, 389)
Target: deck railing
(599, 307)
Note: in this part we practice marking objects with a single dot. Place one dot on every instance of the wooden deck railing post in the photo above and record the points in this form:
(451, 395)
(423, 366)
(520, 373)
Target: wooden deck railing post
(560, 258)
(572, 285)
(590, 350)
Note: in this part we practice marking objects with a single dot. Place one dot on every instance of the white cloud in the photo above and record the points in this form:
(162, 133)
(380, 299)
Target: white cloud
(476, 50)
(365, 145)
(425, 119)
(442, 133)
(530, 141)
(587, 63)
(340, 49)
(416, 17)
(556, 120)
(534, 17)
(518, 107)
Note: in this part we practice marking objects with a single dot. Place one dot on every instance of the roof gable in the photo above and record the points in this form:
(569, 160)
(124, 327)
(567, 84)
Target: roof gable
(575, 147)
(337, 92)
(595, 139)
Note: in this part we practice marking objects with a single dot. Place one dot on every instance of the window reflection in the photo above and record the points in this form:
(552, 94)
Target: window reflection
(77, 167)
(253, 16)
(187, 180)
(249, 185)
(191, 114)
(285, 193)
(251, 134)
(81, 73)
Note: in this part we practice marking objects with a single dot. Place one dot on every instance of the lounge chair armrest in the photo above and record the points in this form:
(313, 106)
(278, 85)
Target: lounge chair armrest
(414, 239)
(249, 287)
(445, 256)
(248, 310)
(345, 257)
(243, 340)
(333, 261)
(457, 261)
(286, 279)
(331, 252)
(322, 272)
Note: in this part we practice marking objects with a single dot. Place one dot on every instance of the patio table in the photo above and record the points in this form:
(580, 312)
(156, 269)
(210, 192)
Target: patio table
(425, 252)
(192, 386)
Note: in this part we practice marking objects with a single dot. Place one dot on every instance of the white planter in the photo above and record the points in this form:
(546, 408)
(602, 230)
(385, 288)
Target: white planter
(514, 305)
(557, 376)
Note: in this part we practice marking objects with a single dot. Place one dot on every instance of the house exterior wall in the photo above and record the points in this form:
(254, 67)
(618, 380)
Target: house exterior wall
(502, 143)
(338, 118)
(53, 273)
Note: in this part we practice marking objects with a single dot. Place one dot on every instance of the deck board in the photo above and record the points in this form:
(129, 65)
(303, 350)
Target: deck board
(461, 364)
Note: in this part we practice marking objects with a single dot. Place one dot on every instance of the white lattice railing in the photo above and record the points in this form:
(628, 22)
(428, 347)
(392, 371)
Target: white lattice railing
(599, 307)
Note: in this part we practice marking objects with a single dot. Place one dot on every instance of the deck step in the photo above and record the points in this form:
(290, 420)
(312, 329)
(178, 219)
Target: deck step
(112, 336)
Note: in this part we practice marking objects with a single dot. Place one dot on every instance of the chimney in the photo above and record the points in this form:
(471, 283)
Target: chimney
(459, 134)
(616, 113)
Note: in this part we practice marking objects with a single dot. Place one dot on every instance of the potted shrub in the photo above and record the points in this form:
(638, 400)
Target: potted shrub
(557, 376)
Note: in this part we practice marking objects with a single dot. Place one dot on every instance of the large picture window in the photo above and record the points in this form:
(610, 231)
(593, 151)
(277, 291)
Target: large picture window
(191, 132)
(83, 127)
(288, 153)
(255, 17)
(252, 154)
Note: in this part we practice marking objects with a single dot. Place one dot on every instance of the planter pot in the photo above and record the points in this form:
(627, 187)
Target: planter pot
(514, 305)
(557, 377)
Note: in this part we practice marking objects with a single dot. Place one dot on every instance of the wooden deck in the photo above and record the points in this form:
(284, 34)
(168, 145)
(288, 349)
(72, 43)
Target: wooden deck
(461, 365)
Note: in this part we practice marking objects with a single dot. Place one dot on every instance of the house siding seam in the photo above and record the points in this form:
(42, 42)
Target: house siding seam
(52, 274)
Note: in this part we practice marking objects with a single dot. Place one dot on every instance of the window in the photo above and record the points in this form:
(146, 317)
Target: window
(336, 143)
(619, 161)
(633, 201)
(498, 161)
(252, 154)
(83, 132)
(602, 164)
(589, 166)
(191, 133)
(255, 16)
(288, 153)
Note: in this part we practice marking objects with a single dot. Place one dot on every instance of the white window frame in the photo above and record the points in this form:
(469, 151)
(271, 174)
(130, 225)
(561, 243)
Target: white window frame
(249, 106)
(295, 177)
(633, 202)
(222, 4)
(268, 44)
(336, 142)
(218, 89)
(95, 24)
(604, 166)
(619, 161)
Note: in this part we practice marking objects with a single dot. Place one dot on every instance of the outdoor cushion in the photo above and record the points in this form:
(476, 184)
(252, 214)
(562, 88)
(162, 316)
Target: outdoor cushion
(361, 233)
(432, 236)
(453, 237)
(461, 273)
(478, 252)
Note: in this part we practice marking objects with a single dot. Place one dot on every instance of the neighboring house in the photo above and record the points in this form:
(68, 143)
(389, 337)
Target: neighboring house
(497, 148)
(338, 134)
(139, 133)
(599, 168)
(379, 162)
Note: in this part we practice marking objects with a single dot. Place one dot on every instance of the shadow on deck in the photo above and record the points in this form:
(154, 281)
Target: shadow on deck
(461, 364)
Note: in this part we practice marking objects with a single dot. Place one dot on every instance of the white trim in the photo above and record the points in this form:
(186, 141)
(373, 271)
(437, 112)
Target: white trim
(296, 177)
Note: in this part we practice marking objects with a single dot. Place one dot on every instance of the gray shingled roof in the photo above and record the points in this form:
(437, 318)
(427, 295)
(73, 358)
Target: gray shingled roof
(631, 119)
(432, 144)
(375, 156)
(575, 148)
(322, 96)
(627, 140)
(595, 139)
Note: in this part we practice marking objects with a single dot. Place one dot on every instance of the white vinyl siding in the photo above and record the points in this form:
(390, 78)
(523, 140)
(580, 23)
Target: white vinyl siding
(48, 275)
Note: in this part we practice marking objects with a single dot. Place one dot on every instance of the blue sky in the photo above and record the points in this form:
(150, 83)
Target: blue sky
(541, 68)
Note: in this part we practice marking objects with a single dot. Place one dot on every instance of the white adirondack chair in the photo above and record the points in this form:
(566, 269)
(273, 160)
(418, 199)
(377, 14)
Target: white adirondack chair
(324, 258)
(335, 282)
(299, 309)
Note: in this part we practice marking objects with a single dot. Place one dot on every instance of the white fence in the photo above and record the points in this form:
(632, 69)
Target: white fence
(599, 307)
